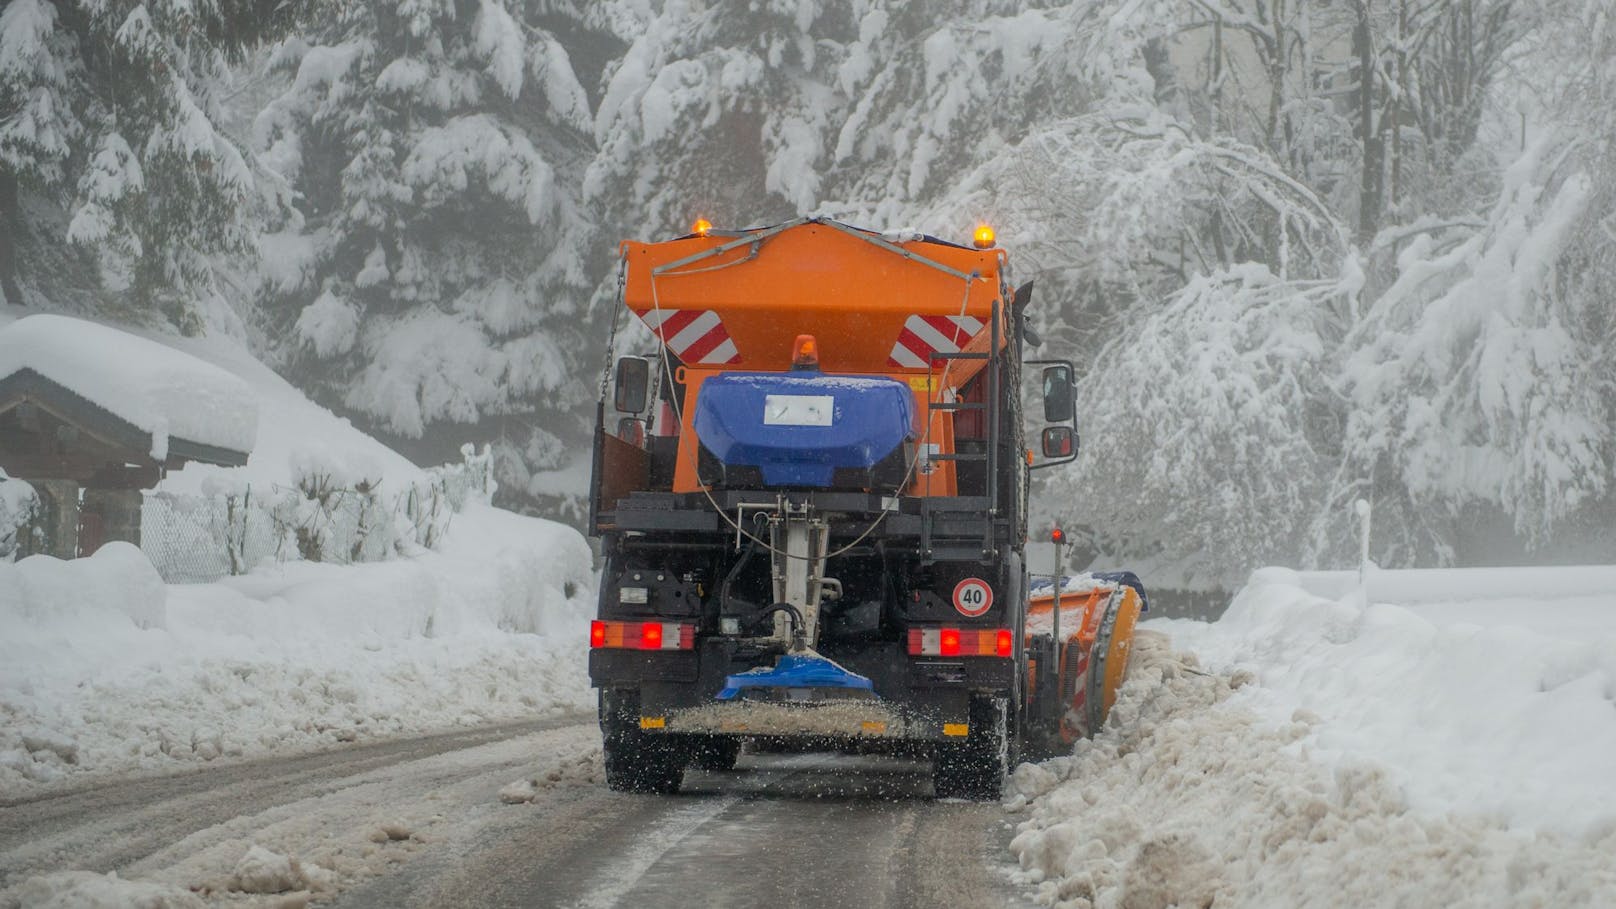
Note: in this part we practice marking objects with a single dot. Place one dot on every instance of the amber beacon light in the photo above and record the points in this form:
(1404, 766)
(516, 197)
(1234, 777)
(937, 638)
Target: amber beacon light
(984, 238)
(702, 227)
(805, 353)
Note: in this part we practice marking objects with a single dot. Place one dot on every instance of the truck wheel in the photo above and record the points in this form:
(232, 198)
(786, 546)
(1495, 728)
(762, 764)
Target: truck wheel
(635, 760)
(975, 768)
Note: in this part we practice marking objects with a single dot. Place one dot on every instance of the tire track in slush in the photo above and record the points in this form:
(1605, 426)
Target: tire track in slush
(605, 890)
(808, 830)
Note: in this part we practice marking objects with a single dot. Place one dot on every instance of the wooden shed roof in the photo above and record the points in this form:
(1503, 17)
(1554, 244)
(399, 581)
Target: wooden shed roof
(27, 386)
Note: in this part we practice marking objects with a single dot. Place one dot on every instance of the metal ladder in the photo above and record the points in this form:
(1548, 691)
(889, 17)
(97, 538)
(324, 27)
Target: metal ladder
(960, 547)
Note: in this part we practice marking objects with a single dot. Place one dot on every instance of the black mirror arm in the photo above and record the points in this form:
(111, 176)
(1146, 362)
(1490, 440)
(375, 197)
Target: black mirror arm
(1018, 306)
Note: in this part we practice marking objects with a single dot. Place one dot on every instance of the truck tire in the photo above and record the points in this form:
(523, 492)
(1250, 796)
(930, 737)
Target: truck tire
(976, 768)
(637, 761)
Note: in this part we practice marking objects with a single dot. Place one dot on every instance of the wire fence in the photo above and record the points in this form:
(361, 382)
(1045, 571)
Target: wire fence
(194, 539)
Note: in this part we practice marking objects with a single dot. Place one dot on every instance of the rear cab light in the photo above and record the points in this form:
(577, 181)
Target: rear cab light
(642, 635)
(955, 642)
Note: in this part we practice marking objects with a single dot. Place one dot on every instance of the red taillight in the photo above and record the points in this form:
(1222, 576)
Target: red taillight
(961, 642)
(642, 635)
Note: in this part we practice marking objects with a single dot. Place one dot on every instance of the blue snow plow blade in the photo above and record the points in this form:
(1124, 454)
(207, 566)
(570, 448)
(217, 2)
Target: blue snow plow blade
(799, 428)
(795, 670)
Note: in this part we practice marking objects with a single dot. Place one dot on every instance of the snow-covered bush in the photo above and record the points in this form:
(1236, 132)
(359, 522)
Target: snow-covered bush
(361, 521)
(18, 505)
(334, 512)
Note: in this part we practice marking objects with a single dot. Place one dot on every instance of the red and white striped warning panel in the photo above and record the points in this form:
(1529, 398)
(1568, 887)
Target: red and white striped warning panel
(923, 336)
(695, 335)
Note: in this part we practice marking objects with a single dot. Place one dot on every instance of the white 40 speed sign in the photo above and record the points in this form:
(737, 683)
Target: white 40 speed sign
(972, 597)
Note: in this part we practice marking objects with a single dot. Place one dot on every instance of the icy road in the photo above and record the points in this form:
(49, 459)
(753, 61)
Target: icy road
(516, 816)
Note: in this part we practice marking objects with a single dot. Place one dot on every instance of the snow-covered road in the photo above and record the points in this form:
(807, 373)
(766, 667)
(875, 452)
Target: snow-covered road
(508, 816)
(780, 830)
(342, 815)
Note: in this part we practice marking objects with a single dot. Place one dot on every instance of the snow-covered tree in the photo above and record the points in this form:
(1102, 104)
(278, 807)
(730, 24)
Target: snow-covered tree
(1210, 420)
(873, 110)
(723, 110)
(1309, 251)
(436, 265)
(1483, 378)
(936, 95)
(1209, 430)
(109, 112)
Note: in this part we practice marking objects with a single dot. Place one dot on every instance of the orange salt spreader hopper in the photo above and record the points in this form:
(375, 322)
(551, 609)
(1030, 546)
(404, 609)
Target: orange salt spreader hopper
(739, 299)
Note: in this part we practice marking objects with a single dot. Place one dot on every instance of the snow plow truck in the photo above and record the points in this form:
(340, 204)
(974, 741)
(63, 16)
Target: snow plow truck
(812, 507)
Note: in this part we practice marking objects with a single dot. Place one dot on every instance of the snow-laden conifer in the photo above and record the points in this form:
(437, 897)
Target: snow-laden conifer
(109, 112)
(436, 264)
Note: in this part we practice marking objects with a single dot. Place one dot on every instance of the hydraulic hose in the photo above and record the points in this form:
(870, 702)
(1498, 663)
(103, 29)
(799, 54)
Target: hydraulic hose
(797, 623)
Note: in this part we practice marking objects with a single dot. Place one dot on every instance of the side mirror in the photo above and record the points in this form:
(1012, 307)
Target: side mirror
(633, 380)
(1060, 442)
(1059, 406)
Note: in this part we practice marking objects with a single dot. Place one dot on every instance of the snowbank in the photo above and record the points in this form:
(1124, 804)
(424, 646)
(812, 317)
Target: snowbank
(87, 890)
(1188, 798)
(1453, 751)
(105, 670)
(41, 594)
(157, 388)
(1504, 708)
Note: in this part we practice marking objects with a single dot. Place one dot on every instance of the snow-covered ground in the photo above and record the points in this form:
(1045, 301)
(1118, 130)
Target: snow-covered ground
(106, 670)
(1450, 744)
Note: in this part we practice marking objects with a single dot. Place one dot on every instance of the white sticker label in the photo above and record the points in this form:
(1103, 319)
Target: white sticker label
(799, 410)
(972, 597)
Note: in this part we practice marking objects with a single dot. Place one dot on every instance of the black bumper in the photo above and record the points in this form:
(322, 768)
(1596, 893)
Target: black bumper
(917, 698)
